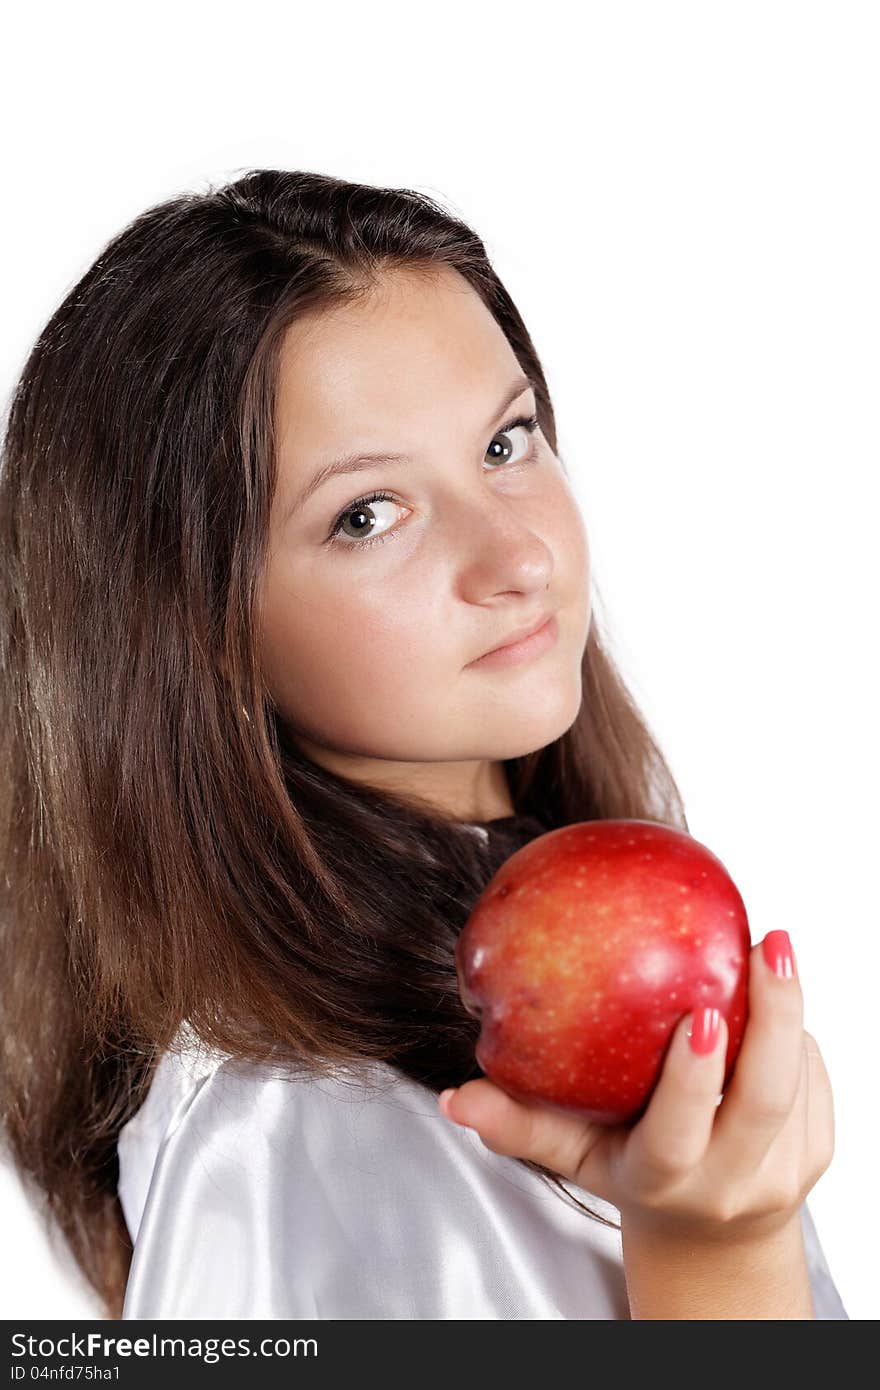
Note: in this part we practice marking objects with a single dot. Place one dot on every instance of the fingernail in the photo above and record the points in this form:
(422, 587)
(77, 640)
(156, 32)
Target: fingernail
(704, 1030)
(778, 954)
(444, 1098)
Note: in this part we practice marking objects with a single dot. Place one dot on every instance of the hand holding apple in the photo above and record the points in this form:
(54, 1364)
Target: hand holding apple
(688, 1164)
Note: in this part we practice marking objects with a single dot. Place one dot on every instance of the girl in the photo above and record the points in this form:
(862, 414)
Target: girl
(278, 472)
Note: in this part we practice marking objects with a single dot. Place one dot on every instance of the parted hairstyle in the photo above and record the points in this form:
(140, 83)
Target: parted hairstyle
(167, 855)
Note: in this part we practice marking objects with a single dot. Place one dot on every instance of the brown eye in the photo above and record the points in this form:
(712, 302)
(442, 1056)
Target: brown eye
(361, 514)
(529, 423)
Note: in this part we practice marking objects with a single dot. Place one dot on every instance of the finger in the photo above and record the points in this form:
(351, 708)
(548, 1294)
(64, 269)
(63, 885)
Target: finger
(779, 1181)
(797, 1155)
(766, 1074)
(674, 1132)
(819, 1121)
(541, 1133)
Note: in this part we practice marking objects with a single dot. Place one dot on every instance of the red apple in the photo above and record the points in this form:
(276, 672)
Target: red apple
(585, 950)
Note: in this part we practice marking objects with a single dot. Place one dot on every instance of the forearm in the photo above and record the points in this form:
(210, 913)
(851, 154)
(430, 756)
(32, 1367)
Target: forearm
(719, 1280)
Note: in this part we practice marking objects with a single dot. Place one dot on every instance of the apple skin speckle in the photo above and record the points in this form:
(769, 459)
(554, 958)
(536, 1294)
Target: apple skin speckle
(591, 957)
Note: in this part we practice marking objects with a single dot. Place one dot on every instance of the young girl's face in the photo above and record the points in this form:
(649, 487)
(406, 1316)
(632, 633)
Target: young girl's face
(366, 647)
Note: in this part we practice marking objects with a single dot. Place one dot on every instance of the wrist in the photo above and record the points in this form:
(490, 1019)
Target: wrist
(757, 1233)
(715, 1272)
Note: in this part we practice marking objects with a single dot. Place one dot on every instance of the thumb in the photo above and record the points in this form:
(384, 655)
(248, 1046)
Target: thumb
(561, 1141)
(501, 1122)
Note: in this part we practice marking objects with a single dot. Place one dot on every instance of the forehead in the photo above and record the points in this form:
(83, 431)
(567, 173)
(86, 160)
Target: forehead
(418, 339)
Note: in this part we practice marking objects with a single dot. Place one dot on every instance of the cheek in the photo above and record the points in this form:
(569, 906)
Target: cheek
(348, 652)
(572, 575)
(572, 536)
(565, 532)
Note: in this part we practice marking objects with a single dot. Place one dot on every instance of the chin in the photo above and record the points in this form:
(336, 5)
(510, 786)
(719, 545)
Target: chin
(514, 735)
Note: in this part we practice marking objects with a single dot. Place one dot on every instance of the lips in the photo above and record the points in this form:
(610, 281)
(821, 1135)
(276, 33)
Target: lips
(519, 635)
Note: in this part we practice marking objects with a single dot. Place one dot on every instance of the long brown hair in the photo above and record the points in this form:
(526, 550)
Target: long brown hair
(166, 853)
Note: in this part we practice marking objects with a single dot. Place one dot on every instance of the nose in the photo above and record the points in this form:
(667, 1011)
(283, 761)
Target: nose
(503, 553)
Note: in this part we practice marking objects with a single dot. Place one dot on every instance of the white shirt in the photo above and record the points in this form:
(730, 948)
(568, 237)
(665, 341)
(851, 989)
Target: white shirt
(251, 1194)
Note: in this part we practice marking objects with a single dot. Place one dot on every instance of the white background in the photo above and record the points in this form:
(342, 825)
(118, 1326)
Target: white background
(682, 199)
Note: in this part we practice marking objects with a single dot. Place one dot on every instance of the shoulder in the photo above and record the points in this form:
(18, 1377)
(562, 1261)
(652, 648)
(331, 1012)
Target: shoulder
(204, 1106)
(255, 1193)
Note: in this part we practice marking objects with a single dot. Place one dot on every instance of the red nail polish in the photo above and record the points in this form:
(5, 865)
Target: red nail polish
(704, 1029)
(778, 954)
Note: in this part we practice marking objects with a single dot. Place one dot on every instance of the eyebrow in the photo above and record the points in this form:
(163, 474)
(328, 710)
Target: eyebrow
(355, 463)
